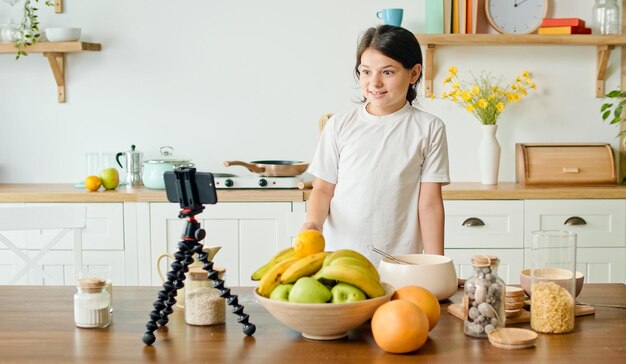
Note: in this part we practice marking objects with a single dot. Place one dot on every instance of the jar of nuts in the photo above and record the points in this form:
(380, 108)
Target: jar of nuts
(484, 298)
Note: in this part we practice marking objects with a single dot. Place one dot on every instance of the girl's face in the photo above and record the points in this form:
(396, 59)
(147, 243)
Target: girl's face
(385, 82)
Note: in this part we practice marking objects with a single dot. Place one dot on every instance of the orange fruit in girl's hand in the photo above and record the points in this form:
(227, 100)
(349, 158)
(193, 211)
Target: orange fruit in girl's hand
(423, 298)
(93, 183)
(309, 242)
(399, 327)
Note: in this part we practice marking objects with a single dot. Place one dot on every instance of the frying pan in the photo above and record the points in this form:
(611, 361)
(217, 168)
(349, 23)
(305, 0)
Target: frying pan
(272, 168)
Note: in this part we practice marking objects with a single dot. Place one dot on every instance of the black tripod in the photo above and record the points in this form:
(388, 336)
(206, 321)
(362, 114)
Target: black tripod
(191, 190)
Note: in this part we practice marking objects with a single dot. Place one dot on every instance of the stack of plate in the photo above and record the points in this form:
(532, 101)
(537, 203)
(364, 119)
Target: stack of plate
(514, 301)
(512, 338)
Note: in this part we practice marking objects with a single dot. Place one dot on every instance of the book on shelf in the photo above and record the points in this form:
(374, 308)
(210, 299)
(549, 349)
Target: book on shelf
(472, 16)
(447, 16)
(434, 16)
(564, 30)
(563, 22)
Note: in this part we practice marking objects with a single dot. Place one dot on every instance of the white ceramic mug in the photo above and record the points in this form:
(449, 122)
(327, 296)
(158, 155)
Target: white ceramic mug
(180, 296)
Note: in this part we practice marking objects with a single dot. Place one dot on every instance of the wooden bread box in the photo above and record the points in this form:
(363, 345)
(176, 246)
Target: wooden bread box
(559, 164)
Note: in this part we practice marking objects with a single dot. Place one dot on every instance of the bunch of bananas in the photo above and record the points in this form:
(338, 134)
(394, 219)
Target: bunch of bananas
(330, 268)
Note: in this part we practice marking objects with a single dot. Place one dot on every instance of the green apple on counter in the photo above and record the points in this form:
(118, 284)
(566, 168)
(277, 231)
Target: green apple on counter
(281, 293)
(346, 293)
(309, 290)
(110, 178)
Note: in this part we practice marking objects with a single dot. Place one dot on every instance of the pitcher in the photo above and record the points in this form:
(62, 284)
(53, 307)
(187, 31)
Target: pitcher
(180, 296)
(133, 166)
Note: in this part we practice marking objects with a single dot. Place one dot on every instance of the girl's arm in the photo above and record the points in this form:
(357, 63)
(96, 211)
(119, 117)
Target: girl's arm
(318, 205)
(431, 217)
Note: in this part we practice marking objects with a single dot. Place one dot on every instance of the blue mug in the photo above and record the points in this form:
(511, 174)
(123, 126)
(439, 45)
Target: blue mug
(391, 16)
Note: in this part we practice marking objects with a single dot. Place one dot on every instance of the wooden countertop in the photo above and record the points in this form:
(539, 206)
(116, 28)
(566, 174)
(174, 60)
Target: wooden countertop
(36, 325)
(455, 191)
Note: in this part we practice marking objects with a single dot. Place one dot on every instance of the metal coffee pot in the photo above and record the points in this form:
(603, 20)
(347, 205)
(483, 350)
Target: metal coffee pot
(133, 161)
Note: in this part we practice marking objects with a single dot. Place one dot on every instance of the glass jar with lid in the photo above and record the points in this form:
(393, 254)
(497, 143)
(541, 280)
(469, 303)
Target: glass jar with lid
(484, 298)
(203, 304)
(606, 17)
(92, 303)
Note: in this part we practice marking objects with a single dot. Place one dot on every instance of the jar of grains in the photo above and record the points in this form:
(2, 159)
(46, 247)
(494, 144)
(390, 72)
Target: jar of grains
(484, 298)
(203, 304)
(92, 303)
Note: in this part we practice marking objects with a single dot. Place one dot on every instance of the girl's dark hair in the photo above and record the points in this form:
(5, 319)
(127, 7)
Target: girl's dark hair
(396, 43)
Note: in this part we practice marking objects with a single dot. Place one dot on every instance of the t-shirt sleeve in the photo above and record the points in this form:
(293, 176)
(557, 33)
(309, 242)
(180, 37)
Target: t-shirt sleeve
(435, 167)
(325, 162)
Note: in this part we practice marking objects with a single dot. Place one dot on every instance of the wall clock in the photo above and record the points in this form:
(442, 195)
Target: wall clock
(516, 16)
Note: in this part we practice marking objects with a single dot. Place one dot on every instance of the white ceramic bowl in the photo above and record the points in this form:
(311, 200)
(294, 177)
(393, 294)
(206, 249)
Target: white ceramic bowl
(436, 273)
(556, 275)
(324, 321)
(62, 34)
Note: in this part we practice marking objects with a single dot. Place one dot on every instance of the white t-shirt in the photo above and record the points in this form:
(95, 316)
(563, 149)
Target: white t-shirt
(377, 164)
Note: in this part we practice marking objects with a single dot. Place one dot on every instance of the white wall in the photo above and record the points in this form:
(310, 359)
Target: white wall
(248, 79)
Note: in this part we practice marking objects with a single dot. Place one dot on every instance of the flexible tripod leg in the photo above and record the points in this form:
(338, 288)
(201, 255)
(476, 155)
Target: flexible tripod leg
(167, 296)
(231, 299)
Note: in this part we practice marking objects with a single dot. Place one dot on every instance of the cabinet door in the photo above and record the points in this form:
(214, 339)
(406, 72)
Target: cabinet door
(503, 224)
(602, 265)
(249, 234)
(511, 262)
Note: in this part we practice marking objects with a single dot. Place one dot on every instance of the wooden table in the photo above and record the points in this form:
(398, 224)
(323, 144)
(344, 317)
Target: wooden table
(36, 325)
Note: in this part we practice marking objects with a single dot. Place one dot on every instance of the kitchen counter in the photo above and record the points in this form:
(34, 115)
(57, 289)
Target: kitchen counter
(454, 191)
(36, 325)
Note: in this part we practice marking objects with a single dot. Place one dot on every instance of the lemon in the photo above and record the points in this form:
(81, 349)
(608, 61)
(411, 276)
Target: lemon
(93, 183)
(309, 242)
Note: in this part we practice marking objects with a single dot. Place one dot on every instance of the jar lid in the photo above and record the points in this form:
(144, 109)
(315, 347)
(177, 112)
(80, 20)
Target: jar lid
(198, 273)
(90, 283)
(484, 260)
(167, 156)
(512, 338)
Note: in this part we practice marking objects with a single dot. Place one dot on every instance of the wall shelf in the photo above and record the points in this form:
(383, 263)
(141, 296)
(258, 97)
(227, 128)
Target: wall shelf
(55, 53)
(604, 44)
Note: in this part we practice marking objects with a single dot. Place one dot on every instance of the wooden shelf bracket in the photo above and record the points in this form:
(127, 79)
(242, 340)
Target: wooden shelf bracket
(58, 6)
(57, 64)
(429, 72)
(604, 52)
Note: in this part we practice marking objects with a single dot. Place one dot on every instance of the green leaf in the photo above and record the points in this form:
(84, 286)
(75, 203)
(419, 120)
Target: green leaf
(606, 115)
(615, 120)
(614, 93)
(618, 111)
(604, 107)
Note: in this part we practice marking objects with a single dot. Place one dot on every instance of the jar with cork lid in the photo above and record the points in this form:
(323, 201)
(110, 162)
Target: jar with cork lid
(92, 303)
(484, 298)
(203, 303)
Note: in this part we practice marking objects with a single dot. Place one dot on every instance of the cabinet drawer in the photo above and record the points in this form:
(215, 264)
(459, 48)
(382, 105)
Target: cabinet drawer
(502, 224)
(597, 223)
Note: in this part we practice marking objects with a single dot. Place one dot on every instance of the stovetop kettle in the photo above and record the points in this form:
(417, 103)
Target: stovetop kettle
(133, 161)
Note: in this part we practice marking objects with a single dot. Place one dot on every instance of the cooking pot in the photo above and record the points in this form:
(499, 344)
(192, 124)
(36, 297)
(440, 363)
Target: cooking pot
(272, 168)
(153, 168)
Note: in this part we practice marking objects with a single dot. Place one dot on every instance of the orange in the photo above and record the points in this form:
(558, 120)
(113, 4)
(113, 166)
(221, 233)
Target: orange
(423, 298)
(399, 327)
(309, 242)
(93, 183)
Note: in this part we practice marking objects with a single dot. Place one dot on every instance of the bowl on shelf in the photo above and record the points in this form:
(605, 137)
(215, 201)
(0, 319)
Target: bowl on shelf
(556, 275)
(324, 321)
(436, 273)
(62, 34)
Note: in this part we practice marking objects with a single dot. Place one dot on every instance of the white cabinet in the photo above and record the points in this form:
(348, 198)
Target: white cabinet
(249, 234)
(600, 227)
(102, 240)
(485, 228)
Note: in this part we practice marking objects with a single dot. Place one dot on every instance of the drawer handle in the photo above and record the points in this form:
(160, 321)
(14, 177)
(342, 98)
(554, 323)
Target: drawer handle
(575, 220)
(473, 221)
(571, 170)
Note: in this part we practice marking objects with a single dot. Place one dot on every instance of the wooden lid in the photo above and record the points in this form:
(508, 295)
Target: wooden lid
(484, 260)
(90, 283)
(198, 273)
(512, 338)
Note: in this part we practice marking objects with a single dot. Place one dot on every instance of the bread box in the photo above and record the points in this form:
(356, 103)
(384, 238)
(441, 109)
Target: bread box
(564, 164)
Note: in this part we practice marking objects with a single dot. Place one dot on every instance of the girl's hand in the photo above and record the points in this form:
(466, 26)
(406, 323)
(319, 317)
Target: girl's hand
(310, 226)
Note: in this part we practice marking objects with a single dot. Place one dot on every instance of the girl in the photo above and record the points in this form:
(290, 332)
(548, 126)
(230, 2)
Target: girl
(379, 168)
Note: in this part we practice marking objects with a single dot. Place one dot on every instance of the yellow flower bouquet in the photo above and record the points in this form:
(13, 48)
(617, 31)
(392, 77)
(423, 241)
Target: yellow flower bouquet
(484, 97)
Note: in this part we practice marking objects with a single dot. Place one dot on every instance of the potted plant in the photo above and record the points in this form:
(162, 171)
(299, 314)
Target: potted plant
(28, 33)
(612, 109)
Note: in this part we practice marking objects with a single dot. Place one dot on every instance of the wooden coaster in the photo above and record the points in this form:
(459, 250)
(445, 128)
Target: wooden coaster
(514, 300)
(513, 306)
(512, 338)
(513, 313)
(514, 292)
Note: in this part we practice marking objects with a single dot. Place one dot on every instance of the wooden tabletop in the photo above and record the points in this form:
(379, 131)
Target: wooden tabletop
(36, 325)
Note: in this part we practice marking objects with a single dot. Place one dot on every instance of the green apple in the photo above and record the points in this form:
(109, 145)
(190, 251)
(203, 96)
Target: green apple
(281, 292)
(345, 293)
(110, 178)
(309, 290)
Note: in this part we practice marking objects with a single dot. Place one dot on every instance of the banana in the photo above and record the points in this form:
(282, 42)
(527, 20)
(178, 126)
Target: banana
(278, 257)
(271, 278)
(354, 275)
(350, 253)
(304, 267)
(350, 260)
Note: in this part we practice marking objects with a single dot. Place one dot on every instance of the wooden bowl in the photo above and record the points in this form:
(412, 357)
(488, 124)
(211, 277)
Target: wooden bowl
(556, 275)
(324, 321)
(436, 273)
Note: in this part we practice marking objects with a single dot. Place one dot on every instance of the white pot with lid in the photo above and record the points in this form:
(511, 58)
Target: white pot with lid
(153, 168)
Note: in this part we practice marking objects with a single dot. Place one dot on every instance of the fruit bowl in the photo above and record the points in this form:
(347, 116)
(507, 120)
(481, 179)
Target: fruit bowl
(324, 321)
(436, 273)
(556, 275)
(62, 34)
